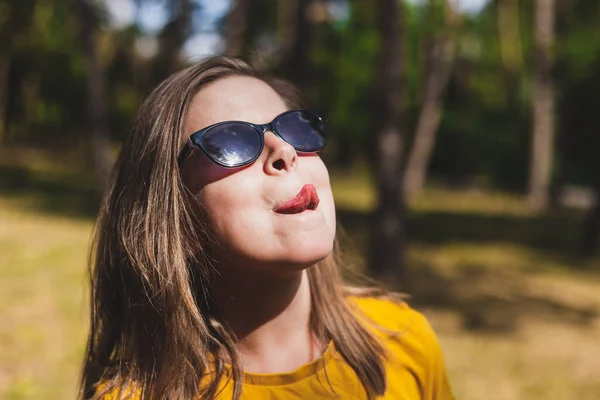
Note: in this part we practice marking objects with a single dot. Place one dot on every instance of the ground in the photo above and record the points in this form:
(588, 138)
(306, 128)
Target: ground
(516, 312)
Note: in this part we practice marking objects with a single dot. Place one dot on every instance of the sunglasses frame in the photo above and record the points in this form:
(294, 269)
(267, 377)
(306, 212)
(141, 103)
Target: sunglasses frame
(195, 139)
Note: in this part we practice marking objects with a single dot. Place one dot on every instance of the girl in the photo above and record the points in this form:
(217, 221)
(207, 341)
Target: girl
(214, 272)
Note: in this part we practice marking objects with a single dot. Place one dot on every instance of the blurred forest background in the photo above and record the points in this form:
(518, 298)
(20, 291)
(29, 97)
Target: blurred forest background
(463, 155)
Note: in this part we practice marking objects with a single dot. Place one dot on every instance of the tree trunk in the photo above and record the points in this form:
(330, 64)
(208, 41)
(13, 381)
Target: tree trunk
(18, 22)
(235, 28)
(96, 99)
(4, 125)
(543, 106)
(294, 33)
(388, 236)
(172, 38)
(440, 58)
(591, 227)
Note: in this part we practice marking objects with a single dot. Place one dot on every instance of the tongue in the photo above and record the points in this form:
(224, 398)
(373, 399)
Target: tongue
(297, 204)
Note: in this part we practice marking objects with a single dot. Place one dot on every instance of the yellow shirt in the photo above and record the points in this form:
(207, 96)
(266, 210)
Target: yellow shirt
(415, 366)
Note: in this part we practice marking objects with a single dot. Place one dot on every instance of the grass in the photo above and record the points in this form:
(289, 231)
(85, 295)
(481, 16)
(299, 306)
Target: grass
(42, 303)
(516, 311)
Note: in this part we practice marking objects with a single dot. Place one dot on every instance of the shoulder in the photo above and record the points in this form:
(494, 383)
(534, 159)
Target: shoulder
(389, 314)
(410, 343)
(405, 331)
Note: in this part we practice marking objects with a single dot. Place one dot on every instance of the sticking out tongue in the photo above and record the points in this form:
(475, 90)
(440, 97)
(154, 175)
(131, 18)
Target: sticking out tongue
(307, 198)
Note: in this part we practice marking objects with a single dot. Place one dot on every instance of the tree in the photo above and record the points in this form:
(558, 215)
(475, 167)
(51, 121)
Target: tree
(172, 38)
(543, 106)
(440, 49)
(388, 235)
(20, 14)
(578, 79)
(294, 33)
(591, 224)
(235, 28)
(96, 90)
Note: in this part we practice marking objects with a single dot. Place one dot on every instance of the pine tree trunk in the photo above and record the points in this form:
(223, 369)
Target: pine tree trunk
(4, 126)
(96, 87)
(543, 106)
(591, 227)
(294, 33)
(388, 236)
(440, 58)
(18, 22)
(172, 39)
(236, 28)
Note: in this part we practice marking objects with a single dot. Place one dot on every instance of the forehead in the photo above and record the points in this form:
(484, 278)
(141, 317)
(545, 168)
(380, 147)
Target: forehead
(241, 98)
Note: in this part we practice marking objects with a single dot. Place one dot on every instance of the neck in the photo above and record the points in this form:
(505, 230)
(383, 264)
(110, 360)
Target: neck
(270, 317)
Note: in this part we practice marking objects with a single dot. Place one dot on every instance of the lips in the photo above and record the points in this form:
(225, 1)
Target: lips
(306, 199)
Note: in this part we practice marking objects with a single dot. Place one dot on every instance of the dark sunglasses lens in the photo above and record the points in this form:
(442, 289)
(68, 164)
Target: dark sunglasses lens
(232, 144)
(303, 130)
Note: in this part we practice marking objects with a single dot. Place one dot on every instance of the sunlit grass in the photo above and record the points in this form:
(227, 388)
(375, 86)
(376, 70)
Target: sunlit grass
(42, 303)
(356, 191)
(499, 255)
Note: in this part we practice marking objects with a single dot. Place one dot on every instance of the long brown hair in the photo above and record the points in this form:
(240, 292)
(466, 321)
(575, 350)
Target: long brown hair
(151, 329)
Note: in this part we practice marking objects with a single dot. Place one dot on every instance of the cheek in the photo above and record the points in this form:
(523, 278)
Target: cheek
(221, 204)
(319, 176)
(230, 207)
(329, 212)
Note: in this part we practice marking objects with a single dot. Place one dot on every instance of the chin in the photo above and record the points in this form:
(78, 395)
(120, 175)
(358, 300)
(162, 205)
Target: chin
(308, 254)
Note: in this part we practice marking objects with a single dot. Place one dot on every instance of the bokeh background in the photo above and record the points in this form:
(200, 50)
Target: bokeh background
(463, 156)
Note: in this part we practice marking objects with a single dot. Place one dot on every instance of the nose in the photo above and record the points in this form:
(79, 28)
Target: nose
(282, 157)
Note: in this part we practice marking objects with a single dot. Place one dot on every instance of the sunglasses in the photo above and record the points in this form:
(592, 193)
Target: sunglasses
(234, 144)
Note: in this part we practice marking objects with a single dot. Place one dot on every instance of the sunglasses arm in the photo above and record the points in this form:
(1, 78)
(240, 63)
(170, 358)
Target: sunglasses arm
(185, 152)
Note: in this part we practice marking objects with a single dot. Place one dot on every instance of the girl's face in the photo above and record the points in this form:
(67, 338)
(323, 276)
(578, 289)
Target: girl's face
(240, 204)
